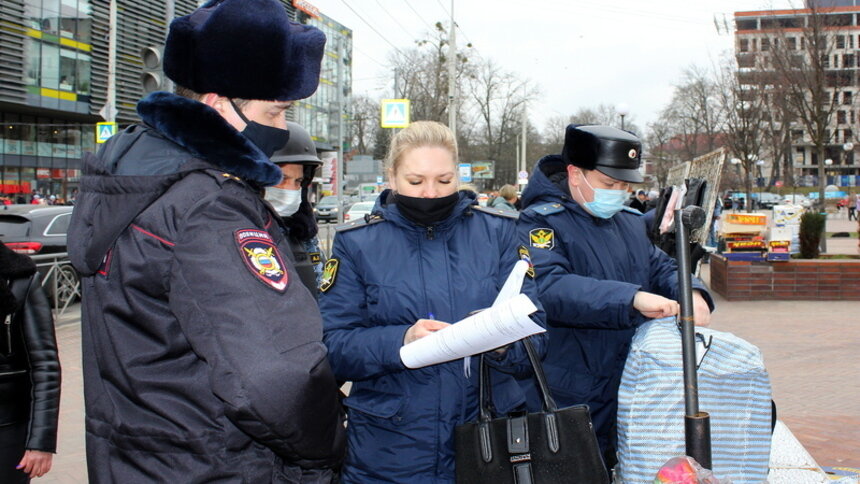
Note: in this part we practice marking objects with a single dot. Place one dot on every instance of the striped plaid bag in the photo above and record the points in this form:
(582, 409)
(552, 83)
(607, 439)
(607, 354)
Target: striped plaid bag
(734, 389)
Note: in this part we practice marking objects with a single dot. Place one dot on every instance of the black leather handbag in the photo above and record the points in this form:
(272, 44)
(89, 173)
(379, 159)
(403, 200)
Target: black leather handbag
(549, 447)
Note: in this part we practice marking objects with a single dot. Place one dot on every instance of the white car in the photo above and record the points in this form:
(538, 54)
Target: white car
(797, 199)
(358, 210)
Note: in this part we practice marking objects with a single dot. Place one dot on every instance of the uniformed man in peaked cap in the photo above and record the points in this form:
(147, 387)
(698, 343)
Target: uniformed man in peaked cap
(598, 274)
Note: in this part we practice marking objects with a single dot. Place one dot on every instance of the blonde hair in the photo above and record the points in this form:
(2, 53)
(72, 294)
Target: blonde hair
(419, 134)
(508, 192)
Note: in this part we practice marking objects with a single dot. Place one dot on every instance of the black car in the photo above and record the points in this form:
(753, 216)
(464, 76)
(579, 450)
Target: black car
(41, 229)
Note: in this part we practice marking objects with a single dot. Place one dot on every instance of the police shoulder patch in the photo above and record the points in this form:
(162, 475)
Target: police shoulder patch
(262, 258)
(329, 274)
(523, 252)
(542, 238)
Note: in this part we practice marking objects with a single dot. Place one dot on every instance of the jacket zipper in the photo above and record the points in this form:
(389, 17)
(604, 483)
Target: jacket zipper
(8, 323)
(430, 235)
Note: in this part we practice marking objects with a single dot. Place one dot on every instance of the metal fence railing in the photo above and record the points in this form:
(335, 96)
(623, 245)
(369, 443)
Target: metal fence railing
(60, 280)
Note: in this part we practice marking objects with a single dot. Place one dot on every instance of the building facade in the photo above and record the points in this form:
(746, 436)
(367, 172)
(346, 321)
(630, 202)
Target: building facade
(54, 80)
(319, 113)
(758, 34)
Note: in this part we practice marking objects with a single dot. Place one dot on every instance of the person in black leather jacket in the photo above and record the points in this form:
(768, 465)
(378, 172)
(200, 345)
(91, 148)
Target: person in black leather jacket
(29, 372)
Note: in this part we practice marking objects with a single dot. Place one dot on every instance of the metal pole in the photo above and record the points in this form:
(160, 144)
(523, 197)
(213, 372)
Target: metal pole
(169, 13)
(110, 102)
(340, 161)
(524, 128)
(452, 73)
(697, 425)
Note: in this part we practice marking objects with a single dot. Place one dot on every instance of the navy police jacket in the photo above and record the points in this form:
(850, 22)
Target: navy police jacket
(202, 350)
(588, 269)
(383, 276)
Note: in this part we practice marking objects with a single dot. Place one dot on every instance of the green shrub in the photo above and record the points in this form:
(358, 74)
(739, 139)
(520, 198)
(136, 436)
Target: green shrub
(811, 231)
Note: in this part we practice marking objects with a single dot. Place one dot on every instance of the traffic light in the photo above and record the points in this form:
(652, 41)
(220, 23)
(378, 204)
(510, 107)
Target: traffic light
(152, 78)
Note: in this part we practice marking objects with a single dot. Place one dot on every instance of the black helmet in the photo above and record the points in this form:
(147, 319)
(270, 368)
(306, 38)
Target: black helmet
(299, 149)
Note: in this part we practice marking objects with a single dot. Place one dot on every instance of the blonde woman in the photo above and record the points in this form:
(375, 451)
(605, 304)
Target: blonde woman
(427, 256)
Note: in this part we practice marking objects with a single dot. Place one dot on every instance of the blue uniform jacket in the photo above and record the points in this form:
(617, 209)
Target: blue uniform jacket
(588, 269)
(390, 273)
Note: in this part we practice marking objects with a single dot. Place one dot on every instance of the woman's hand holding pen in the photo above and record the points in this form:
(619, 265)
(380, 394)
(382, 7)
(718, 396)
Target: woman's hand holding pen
(422, 328)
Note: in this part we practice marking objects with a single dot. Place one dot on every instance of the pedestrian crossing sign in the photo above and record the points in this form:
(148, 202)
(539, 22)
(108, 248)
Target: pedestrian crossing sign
(395, 113)
(104, 131)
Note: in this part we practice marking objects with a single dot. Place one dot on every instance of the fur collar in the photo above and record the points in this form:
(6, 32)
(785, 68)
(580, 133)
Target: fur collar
(12, 266)
(202, 131)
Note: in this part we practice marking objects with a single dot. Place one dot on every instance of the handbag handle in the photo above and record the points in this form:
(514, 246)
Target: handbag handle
(485, 397)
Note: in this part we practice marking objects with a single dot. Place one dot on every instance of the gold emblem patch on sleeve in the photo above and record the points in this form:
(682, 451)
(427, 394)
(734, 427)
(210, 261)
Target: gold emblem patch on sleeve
(542, 238)
(329, 275)
(523, 252)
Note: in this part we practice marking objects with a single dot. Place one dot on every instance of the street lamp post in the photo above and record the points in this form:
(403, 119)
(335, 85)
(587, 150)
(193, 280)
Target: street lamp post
(623, 110)
(759, 164)
(737, 163)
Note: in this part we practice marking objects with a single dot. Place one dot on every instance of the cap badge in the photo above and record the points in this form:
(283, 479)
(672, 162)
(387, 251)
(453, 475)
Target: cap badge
(632, 153)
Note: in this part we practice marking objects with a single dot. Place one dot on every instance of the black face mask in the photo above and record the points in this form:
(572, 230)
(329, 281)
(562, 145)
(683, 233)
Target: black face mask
(426, 211)
(267, 138)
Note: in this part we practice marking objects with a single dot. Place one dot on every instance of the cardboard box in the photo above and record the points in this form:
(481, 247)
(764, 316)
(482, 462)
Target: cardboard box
(787, 215)
(749, 223)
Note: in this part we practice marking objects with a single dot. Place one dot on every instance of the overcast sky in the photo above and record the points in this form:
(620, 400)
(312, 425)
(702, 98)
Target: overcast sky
(581, 53)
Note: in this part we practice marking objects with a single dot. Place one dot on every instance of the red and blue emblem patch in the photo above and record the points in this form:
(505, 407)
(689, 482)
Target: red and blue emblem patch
(262, 257)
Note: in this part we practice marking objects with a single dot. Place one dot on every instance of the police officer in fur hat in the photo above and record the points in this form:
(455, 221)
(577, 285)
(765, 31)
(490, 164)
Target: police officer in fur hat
(202, 351)
(298, 161)
(599, 275)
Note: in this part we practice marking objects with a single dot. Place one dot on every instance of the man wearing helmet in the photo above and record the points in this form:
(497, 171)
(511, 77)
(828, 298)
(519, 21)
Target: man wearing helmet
(202, 351)
(298, 162)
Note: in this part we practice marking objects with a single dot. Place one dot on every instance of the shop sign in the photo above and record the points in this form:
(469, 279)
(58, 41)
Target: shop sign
(307, 8)
(746, 219)
(746, 245)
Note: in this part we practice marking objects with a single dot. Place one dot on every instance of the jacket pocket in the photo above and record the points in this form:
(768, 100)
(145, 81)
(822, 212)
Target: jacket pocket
(373, 403)
(388, 304)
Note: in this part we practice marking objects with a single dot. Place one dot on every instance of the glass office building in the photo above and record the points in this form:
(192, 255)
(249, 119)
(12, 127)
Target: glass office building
(54, 76)
(318, 113)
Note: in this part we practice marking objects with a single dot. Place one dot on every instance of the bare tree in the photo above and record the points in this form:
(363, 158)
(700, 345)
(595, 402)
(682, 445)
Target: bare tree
(800, 63)
(365, 117)
(421, 74)
(552, 137)
(693, 114)
(499, 97)
(743, 111)
(659, 152)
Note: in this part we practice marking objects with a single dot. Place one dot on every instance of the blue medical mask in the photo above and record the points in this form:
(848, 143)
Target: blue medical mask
(606, 202)
(285, 202)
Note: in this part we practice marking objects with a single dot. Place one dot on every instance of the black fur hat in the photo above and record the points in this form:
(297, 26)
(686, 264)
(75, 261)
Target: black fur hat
(609, 150)
(246, 49)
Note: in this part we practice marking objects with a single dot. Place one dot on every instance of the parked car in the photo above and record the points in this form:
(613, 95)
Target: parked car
(797, 199)
(35, 229)
(358, 211)
(767, 200)
(327, 209)
(40, 229)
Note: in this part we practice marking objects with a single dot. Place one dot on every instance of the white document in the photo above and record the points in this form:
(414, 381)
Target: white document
(505, 322)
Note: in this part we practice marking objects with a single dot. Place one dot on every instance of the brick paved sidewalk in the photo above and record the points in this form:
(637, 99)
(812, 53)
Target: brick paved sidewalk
(810, 350)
